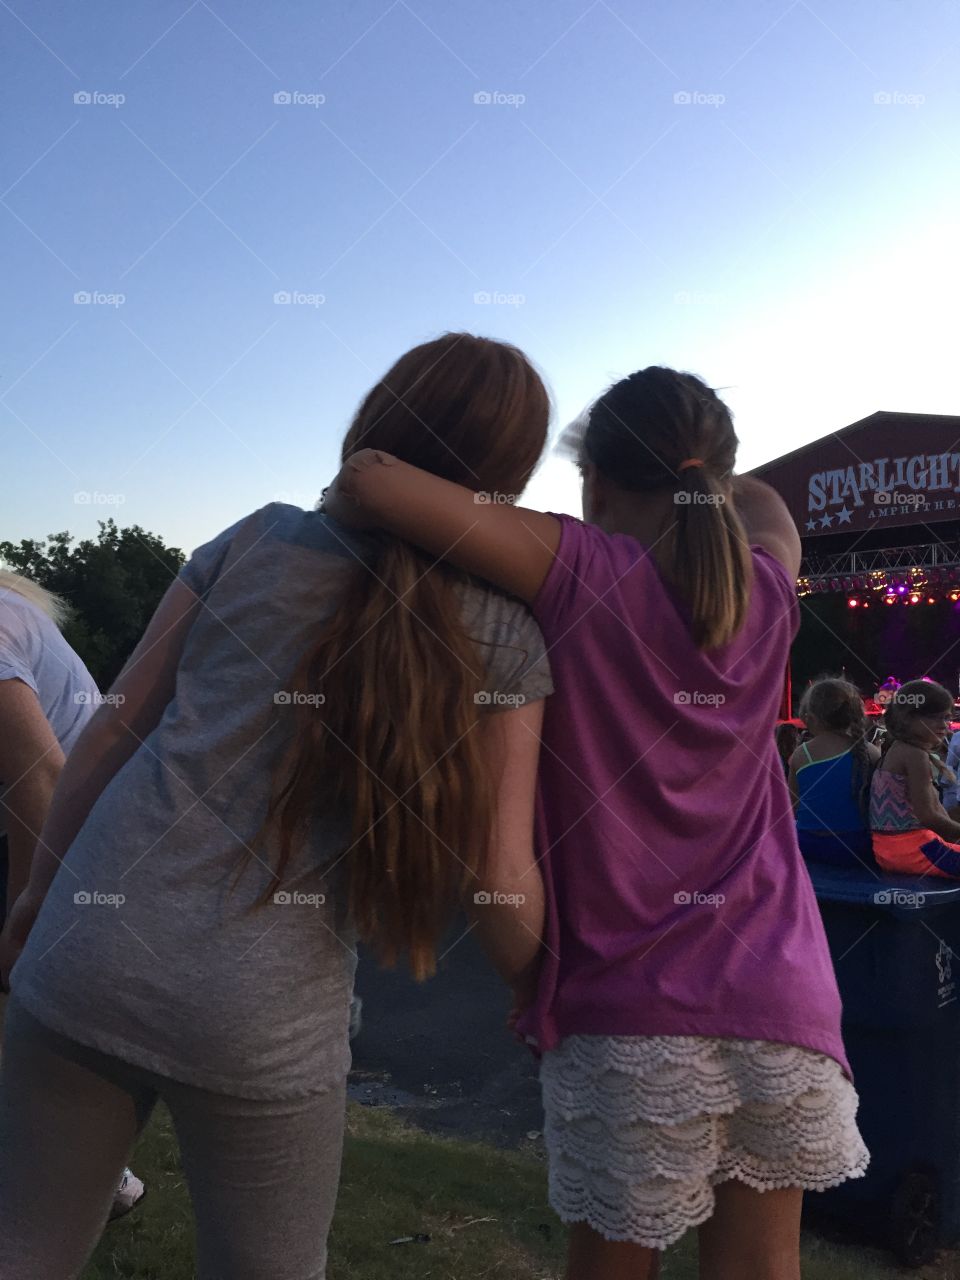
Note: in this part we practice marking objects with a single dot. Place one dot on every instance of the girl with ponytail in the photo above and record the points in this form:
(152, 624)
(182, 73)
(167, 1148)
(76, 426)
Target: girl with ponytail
(687, 1012)
(830, 775)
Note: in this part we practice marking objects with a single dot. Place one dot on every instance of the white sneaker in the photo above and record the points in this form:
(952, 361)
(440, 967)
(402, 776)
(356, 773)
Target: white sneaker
(127, 1195)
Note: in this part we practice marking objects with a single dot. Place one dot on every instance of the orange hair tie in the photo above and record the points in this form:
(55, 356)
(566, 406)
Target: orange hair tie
(690, 462)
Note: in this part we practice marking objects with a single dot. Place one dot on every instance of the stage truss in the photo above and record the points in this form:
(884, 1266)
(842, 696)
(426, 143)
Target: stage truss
(930, 570)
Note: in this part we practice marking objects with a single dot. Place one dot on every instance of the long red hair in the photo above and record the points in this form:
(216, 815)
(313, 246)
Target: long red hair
(393, 744)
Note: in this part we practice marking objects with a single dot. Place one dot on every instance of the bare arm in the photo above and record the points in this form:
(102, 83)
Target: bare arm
(507, 907)
(924, 799)
(136, 702)
(512, 547)
(30, 764)
(767, 521)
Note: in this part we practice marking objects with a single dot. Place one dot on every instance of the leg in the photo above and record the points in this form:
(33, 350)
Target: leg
(752, 1233)
(263, 1179)
(67, 1126)
(591, 1257)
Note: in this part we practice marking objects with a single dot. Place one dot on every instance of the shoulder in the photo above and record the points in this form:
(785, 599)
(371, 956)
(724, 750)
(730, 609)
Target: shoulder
(496, 618)
(768, 568)
(588, 563)
(14, 606)
(260, 530)
(22, 623)
(578, 538)
(912, 760)
(512, 644)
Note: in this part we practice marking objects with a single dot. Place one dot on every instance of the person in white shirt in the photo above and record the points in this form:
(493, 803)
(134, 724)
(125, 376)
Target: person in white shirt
(47, 696)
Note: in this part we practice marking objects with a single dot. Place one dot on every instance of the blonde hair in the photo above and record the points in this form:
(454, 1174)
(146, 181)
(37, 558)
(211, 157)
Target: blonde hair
(52, 605)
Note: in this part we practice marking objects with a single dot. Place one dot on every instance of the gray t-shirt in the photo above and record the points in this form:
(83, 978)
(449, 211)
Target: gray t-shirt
(146, 947)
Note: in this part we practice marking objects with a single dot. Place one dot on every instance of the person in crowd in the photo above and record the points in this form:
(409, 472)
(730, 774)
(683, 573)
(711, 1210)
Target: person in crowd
(787, 737)
(320, 736)
(686, 1012)
(830, 775)
(47, 696)
(913, 834)
(951, 790)
(886, 691)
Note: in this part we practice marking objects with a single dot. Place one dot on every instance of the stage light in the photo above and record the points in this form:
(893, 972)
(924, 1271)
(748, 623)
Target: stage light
(931, 600)
(890, 599)
(954, 596)
(853, 603)
(914, 598)
(901, 589)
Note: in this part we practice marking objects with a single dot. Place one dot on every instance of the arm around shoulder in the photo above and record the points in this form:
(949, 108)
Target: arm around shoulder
(485, 534)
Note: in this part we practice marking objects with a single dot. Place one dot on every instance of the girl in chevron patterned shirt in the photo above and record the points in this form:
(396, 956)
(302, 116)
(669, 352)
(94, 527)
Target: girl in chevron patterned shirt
(912, 832)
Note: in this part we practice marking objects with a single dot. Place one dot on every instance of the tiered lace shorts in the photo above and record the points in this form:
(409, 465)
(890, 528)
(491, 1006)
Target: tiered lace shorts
(640, 1129)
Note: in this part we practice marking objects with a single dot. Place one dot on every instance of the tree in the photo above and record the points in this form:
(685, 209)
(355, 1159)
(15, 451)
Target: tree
(112, 585)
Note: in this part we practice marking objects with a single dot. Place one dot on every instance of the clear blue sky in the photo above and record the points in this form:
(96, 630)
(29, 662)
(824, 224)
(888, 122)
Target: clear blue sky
(785, 233)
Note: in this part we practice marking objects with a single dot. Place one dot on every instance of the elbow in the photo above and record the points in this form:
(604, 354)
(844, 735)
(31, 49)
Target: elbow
(358, 476)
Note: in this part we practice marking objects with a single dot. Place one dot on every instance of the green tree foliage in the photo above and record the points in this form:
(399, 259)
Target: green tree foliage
(112, 584)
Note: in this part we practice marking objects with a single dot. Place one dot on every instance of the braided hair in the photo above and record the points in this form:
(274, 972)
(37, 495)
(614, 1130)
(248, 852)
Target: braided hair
(837, 705)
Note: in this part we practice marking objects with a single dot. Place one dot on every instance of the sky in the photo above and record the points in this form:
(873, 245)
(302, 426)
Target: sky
(762, 192)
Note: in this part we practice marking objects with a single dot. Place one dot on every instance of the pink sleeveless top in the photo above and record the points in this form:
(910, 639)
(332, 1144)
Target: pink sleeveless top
(678, 901)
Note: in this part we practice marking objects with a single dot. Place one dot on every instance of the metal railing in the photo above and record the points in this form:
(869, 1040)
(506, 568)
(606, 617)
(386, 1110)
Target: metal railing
(845, 564)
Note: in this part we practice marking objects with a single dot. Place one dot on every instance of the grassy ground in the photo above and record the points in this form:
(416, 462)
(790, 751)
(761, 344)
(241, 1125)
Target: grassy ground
(484, 1209)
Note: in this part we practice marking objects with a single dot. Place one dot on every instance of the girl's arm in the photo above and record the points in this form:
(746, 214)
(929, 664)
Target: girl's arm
(131, 710)
(30, 764)
(767, 521)
(485, 534)
(924, 800)
(507, 905)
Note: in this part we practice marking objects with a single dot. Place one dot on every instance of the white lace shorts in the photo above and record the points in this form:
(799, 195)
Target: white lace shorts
(640, 1129)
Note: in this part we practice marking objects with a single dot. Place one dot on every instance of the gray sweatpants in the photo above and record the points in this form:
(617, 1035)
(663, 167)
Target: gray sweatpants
(262, 1174)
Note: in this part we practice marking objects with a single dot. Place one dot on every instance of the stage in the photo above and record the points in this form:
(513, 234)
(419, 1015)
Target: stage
(877, 506)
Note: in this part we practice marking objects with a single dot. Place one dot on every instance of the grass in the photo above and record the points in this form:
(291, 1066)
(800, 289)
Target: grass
(484, 1209)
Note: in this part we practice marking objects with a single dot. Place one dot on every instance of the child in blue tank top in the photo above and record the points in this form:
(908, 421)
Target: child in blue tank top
(830, 775)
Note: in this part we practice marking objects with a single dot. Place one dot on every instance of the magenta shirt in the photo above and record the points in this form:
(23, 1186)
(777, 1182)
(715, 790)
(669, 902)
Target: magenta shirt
(677, 899)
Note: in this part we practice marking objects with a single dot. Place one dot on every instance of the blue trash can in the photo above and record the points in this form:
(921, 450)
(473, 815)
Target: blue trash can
(895, 943)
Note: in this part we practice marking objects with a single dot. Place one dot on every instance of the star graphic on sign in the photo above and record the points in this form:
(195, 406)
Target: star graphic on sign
(826, 521)
(811, 525)
(843, 515)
